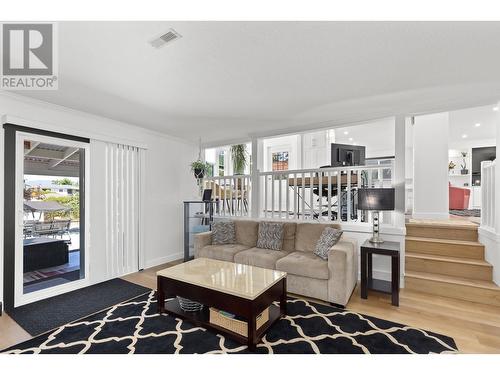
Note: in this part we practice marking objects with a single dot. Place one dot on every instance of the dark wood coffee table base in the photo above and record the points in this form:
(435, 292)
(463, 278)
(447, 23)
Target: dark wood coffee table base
(245, 308)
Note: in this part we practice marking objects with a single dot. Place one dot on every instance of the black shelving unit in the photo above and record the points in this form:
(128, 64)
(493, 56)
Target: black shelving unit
(198, 218)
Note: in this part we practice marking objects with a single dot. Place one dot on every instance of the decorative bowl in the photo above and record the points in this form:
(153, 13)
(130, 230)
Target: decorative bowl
(188, 305)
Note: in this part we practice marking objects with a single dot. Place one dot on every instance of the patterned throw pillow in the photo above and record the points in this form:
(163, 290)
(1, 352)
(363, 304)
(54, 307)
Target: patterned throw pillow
(270, 235)
(329, 238)
(223, 233)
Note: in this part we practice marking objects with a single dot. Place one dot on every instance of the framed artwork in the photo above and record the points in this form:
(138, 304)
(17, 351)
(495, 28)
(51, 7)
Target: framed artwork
(280, 161)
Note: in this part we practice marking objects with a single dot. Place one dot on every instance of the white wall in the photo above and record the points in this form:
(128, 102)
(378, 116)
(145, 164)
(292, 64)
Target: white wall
(409, 149)
(430, 166)
(290, 143)
(168, 179)
(315, 149)
(491, 242)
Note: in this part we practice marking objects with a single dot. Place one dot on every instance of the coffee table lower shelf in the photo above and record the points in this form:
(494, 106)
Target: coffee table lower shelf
(202, 318)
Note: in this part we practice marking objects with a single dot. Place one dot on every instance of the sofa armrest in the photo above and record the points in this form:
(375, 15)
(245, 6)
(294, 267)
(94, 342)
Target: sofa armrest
(200, 241)
(343, 267)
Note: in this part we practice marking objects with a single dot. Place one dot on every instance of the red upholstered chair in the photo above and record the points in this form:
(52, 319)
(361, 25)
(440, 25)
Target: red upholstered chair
(458, 198)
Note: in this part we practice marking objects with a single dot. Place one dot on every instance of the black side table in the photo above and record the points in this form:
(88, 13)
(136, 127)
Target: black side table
(388, 248)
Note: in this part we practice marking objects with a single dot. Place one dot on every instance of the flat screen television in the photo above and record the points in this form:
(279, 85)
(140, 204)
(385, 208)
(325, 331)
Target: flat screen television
(481, 154)
(347, 155)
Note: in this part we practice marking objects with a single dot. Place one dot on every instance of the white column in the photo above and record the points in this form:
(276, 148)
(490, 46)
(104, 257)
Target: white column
(430, 166)
(399, 170)
(497, 177)
(256, 161)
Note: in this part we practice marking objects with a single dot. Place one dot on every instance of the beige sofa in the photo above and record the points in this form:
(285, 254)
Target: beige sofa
(331, 280)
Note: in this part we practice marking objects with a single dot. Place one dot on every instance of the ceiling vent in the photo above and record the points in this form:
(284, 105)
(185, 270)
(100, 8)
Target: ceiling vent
(169, 37)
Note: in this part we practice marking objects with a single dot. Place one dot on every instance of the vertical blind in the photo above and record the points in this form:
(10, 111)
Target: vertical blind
(121, 209)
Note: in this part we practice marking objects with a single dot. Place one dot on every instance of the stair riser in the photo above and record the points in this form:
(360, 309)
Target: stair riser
(470, 271)
(444, 233)
(461, 292)
(444, 249)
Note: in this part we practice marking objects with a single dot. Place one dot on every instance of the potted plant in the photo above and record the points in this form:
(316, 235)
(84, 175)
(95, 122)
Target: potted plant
(239, 156)
(464, 169)
(199, 168)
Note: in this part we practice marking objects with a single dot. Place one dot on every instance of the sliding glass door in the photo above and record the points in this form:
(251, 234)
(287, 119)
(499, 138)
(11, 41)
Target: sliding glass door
(50, 205)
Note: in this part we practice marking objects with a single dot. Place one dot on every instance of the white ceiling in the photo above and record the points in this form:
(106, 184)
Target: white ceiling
(463, 122)
(226, 80)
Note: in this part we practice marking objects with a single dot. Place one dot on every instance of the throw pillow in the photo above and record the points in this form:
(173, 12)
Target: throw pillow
(329, 238)
(270, 235)
(223, 233)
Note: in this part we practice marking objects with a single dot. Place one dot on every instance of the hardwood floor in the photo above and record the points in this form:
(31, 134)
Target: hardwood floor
(475, 327)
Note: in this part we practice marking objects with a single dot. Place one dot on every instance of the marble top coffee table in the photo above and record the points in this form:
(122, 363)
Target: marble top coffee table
(243, 290)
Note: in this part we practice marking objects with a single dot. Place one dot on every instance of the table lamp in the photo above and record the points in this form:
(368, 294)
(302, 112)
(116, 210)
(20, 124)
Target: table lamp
(376, 199)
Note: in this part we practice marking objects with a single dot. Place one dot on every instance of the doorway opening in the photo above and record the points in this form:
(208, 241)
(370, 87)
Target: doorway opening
(44, 218)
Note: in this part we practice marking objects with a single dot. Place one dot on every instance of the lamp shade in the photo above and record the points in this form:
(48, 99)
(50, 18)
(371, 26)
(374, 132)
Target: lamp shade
(376, 199)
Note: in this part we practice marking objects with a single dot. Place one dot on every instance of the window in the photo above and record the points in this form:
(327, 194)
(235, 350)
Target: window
(386, 172)
(220, 168)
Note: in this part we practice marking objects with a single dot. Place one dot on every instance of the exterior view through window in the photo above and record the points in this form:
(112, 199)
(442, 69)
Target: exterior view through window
(51, 221)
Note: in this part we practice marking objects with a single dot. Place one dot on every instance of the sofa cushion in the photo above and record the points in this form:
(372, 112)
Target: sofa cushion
(328, 239)
(264, 258)
(221, 252)
(223, 233)
(289, 237)
(308, 234)
(246, 232)
(270, 235)
(304, 263)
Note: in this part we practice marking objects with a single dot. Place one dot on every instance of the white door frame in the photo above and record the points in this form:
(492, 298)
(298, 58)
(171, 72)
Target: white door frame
(19, 297)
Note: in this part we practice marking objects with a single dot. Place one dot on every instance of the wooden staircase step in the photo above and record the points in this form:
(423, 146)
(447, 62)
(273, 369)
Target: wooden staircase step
(479, 291)
(463, 232)
(445, 247)
(451, 266)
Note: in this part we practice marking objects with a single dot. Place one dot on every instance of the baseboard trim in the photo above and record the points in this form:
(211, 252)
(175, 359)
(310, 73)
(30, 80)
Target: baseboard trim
(157, 261)
(430, 215)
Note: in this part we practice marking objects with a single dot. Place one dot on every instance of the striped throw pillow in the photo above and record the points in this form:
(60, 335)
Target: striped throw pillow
(270, 235)
(328, 239)
(223, 233)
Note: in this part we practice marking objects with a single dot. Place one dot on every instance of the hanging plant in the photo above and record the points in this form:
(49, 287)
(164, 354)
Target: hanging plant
(239, 156)
(199, 168)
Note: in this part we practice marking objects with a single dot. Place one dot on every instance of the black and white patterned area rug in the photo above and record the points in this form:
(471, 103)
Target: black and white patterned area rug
(135, 327)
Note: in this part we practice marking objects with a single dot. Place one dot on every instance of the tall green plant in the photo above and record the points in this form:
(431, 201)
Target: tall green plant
(73, 201)
(239, 156)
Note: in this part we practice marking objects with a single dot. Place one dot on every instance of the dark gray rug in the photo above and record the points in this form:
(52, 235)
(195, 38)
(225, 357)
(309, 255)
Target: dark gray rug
(473, 212)
(42, 316)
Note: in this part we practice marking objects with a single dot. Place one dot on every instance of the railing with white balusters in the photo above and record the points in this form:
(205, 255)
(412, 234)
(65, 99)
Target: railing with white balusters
(233, 194)
(324, 194)
(488, 195)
